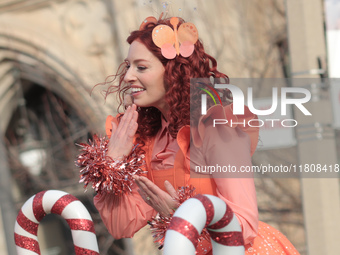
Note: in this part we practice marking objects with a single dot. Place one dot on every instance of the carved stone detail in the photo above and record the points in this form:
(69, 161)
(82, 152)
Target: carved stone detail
(87, 24)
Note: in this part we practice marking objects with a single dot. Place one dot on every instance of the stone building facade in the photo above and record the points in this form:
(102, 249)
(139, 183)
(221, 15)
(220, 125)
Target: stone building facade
(60, 49)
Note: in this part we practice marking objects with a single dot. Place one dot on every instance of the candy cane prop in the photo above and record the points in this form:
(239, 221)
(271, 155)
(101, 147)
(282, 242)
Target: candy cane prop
(61, 203)
(197, 213)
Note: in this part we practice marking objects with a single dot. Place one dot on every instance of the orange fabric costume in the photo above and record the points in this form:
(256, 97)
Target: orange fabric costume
(224, 145)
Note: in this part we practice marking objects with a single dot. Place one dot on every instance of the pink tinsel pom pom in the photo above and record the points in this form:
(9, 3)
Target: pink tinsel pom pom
(160, 224)
(106, 174)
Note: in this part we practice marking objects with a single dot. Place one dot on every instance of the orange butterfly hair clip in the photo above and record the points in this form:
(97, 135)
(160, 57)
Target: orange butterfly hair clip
(175, 41)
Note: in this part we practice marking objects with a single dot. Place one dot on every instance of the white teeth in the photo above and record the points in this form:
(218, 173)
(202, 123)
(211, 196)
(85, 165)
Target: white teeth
(136, 89)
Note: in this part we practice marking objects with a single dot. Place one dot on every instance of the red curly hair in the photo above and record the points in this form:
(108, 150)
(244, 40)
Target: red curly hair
(177, 75)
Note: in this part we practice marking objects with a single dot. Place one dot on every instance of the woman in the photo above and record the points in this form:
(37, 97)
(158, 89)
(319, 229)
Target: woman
(157, 76)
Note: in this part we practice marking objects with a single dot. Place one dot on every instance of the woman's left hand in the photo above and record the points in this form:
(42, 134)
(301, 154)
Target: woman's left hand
(163, 202)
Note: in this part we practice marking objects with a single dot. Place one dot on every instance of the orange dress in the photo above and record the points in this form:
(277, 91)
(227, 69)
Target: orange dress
(126, 215)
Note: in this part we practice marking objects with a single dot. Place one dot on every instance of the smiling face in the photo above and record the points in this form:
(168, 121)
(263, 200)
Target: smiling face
(145, 76)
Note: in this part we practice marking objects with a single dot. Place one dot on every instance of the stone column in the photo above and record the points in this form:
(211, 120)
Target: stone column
(321, 201)
(8, 212)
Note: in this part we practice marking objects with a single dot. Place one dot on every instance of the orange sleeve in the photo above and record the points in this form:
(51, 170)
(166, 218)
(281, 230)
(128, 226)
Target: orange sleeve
(224, 146)
(123, 216)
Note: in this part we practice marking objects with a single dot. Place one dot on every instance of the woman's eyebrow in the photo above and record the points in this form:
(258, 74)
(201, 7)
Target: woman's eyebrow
(136, 60)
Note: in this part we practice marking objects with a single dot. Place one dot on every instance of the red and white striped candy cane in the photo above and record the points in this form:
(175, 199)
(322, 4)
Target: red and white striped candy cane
(193, 216)
(61, 203)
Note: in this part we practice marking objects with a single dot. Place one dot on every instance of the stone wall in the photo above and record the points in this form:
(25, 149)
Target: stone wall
(70, 46)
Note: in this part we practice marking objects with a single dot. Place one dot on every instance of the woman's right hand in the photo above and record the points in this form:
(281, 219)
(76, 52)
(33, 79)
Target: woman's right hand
(121, 140)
